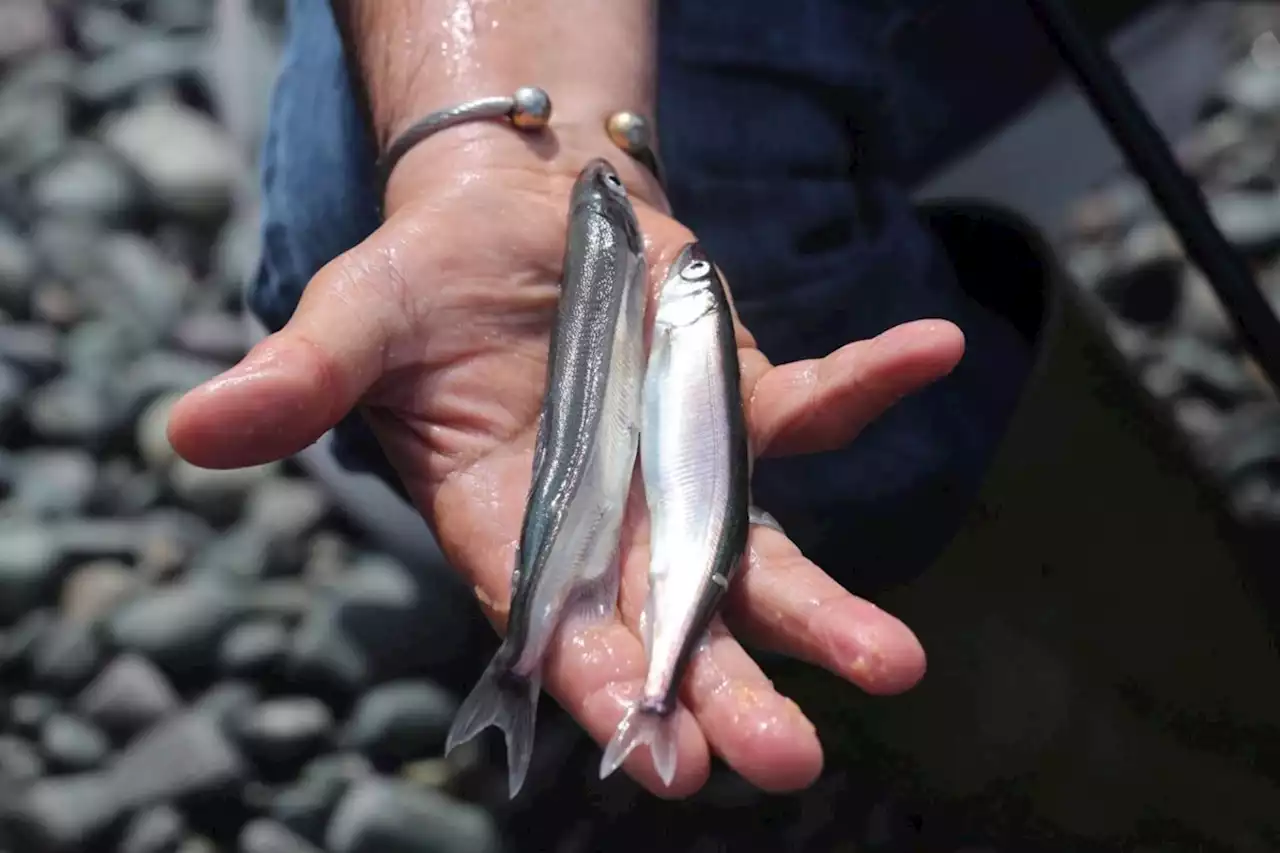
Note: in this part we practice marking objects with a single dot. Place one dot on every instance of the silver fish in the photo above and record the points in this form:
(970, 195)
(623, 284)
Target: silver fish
(696, 462)
(583, 464)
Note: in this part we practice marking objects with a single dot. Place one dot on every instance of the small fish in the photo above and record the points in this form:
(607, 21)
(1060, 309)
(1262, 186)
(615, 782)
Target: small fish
(583, 464)
(696, 463)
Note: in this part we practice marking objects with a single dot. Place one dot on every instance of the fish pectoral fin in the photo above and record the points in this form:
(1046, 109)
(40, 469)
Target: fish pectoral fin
(762, 518)
(640, 727)
(508, 701)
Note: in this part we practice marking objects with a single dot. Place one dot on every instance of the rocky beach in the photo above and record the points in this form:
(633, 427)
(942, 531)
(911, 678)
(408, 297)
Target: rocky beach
(196, 661)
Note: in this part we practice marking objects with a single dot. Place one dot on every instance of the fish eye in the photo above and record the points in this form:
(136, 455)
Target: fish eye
(695, 270)
(612, 180)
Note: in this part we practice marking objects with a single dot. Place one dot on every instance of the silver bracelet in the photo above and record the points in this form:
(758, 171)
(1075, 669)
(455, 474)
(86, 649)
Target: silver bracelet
(528, 109)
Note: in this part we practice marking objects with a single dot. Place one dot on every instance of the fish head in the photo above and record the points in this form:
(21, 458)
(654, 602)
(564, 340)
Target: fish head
(691, 289)
(600, 189)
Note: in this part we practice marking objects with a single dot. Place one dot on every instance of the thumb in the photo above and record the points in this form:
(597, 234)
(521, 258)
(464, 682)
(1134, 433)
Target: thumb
(299, 382)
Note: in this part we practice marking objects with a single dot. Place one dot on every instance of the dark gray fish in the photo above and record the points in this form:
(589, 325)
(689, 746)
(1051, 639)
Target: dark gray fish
(696, 462)
(583, 461)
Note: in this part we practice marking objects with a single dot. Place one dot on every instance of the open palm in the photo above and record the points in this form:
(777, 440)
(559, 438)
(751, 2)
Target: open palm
(437, 327)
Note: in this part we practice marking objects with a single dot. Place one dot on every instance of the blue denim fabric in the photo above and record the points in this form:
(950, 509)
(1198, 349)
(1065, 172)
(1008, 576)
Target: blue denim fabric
(780, 124)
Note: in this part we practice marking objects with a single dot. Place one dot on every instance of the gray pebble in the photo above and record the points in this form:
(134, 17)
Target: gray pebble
(54, 483)
(30, 557)
(18, 268)
(94, 589)
(187, 755)
(101, 29)
(227, 702)
(57, 304)
(1250, 220)
(125, 489)
(253, 650)
(68, 247)
(241, 554)
(285, 733)
(73, 745)
(18, 644)
(120, 73)
(33, 121)
(1253, 88)
(1201, 313)
(220, 493)
(87, 180)
(28, 713)
(13, 387)
(379, 816)
(1145, 285)
(69, 410)
(180, 14)
(198, 844)
(237, 252)
(99, 349)
(306, 806)
(66, 657)
(267, 836)
(286, 510)
(19, 761)
(400, 722)
(62, 814)
(159, 829)
(178, 627)
(32, 347)
(141, 288)
(28, 28)
(1110, 209)
(215, 335)
(378, 622)
(129, 696)
(189, 164)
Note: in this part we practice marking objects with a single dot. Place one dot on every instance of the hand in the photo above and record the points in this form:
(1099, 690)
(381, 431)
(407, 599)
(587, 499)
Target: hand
(437, 327)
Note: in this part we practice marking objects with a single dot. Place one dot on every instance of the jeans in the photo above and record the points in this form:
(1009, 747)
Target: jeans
(782, 127)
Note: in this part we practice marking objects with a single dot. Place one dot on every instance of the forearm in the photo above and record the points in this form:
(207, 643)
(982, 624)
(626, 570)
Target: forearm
(416, 56)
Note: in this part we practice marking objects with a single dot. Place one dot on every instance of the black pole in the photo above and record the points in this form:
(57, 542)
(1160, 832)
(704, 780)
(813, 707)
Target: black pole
(1177, 195)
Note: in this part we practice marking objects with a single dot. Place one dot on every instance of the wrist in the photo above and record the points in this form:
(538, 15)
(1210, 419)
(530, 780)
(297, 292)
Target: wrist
(545, 162)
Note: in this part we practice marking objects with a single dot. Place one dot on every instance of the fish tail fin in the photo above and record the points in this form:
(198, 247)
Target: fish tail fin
(641, 726)
(509, 701)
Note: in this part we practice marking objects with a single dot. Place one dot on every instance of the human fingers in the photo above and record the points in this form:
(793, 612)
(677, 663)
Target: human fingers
(784, 602)
(298, 383)
(820, 404)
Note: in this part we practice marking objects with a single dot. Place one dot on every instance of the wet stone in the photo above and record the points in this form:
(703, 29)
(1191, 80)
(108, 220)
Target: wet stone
(178, 627)
(306, 806)
(128, 696)
(19, 761)
(94, 589)
(73, 745)
(254, 650)
(282, 734)
(267, 836)
(400, 722)
(185, 756)
(387, 817)
(66, 657)
(160, 829)
(61, 814)
(29, 712)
